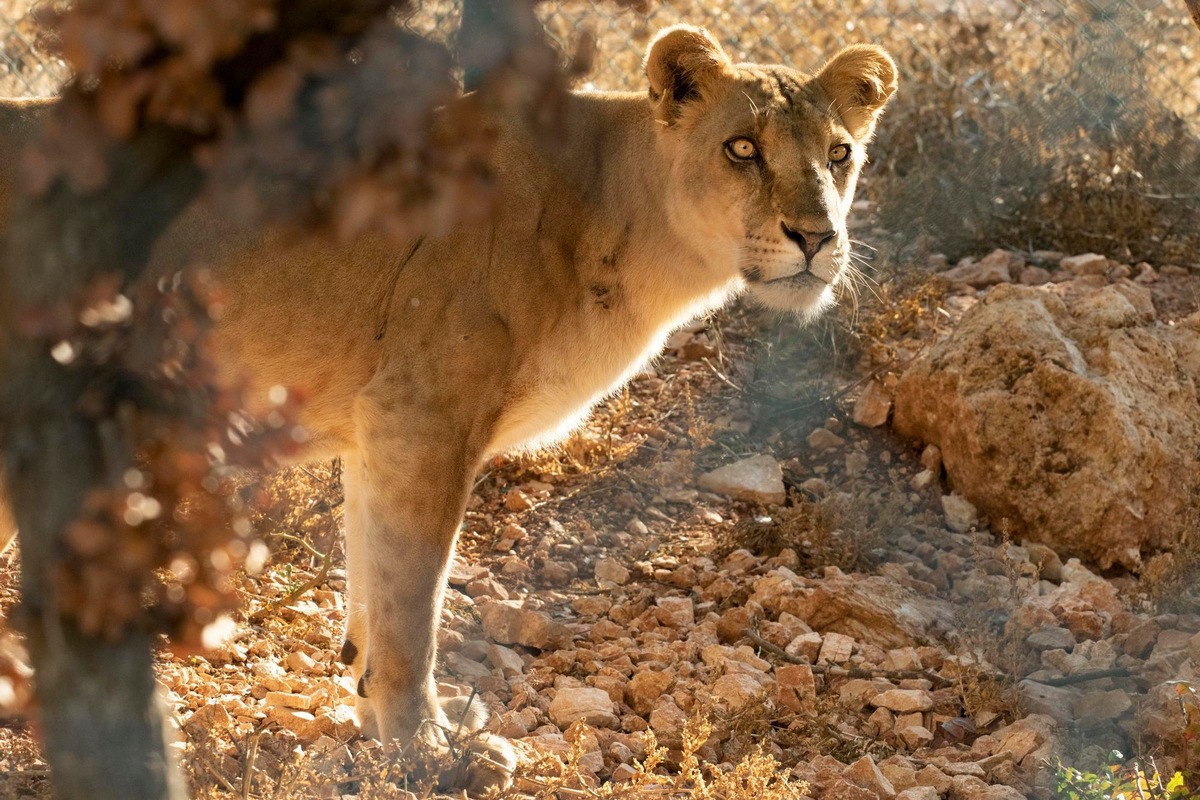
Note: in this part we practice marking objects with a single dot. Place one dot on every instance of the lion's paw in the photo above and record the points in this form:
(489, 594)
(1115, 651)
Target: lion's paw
(487, 762)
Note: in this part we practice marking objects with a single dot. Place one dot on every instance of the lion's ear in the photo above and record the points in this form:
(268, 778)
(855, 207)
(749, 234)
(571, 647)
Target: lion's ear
(681, 62)
(859, 80)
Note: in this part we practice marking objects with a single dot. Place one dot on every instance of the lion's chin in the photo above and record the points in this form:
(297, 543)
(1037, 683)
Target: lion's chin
(804, 295)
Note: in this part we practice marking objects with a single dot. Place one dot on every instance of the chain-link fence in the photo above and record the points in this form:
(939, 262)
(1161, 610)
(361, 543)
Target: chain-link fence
(1058, 123)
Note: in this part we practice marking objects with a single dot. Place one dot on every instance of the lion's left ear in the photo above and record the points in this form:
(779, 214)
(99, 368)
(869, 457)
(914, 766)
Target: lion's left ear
(859, 80)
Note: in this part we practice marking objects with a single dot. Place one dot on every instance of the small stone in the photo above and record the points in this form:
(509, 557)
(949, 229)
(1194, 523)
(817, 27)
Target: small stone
(806, 646)
(506, 622)
(510, 534)
(823, 440)
(1050, 566)
(915, 737)
(591, 705)
(931, 458)
(795, 686)
(923, 480)
(1095, 706)
(836, 648)
(919, 793)
(644, 690)
(300, 662)
(994, 268)
(680, 611)
(737, 690)
(1086, 264)
(213, 717)
(873, 406)
(757, 479)
(1034, 276)
(865, 774)
(1051, 638)
(301, 702)
(961, 515)
(461, 573)
(612, 571)
(505, 659)
(903, 701)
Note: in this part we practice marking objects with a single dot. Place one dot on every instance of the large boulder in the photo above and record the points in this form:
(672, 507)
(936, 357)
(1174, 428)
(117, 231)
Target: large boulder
(1075, 420)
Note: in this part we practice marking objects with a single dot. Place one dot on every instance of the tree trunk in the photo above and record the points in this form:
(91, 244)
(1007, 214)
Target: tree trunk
(101, 719)
(1194, 8)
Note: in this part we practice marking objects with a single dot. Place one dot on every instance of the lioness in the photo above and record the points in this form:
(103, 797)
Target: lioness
(420, 361)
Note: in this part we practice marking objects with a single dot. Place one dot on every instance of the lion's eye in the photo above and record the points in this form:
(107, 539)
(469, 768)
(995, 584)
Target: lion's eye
(741, 149)
(839, 153)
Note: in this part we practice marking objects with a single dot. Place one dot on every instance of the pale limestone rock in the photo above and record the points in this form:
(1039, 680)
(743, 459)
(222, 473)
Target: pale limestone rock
(1084, 436)
(903, 701)
(961, 515)
(506, 622)
(757, 479)
(1086, 264)
(873, 406)
(736, 690)
(591, 705)
(644, 690)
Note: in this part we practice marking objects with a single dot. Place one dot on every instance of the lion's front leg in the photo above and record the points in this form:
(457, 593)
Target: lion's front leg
(406, 489)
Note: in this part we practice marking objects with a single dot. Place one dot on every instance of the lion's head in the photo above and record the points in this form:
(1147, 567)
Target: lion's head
(764, 159)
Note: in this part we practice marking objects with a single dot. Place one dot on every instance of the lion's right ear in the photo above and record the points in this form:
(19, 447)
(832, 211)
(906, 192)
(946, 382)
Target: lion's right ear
(681, 62)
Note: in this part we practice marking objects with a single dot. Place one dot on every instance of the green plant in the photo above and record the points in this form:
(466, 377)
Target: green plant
(1119, 782)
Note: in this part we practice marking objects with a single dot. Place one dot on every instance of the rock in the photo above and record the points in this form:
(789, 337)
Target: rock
(300, 702)
(212, 718)
(505, 659)
(836, 648)
(300, 661)
(823, 440)
(865, 774)
(644, 690)
(1086, 437)
(667, 720)
(506, 622)
(992, 269)
(806, 646)
(737, 690)
(873, 406)
(872, 609)
(1034, 276)
(919, 793)
(509, 536)
(593, 706)
(795, 687)
(612, 571)
(1097, 706)
(961, 515)
(680, 611)
(758, 479)
(915, 737)
(1051, 638)
(1050, 566)
(903, 701)
(462, 573)
(1086, 264)
(1053, 701)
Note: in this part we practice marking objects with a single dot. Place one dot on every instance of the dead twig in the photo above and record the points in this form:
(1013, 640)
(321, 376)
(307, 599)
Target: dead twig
(1084, 677)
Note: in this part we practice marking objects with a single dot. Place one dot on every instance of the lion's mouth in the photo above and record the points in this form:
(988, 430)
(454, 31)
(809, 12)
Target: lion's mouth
(803, 280)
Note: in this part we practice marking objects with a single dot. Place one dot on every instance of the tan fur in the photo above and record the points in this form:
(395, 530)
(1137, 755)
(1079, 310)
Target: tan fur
(420, 359)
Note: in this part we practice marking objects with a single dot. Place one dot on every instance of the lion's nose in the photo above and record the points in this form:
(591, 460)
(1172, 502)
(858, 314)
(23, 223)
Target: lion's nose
(810, 242)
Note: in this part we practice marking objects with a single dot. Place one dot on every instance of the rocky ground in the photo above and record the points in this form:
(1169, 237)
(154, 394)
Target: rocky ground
(837, 563)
